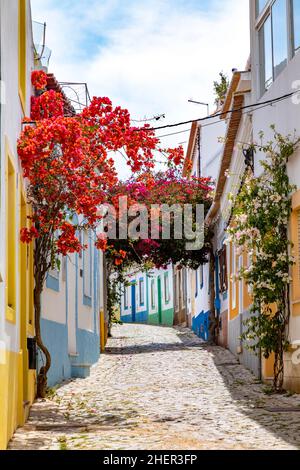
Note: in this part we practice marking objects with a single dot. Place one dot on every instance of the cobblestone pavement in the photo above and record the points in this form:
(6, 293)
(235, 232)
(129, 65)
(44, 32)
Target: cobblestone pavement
(162, 388)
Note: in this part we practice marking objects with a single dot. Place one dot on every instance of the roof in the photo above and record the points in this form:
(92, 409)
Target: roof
(231, 134)
(52, 84)
(231, 90)
(190, 150)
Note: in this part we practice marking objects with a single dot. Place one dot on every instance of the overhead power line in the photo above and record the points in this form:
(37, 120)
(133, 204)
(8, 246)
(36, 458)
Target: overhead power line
(223, 113)
(262, 106)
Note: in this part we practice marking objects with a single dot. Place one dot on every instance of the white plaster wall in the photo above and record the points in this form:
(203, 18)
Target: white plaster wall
(54, 303)
(11, 117)
(85, 313)
(285, 115)
(211, 147)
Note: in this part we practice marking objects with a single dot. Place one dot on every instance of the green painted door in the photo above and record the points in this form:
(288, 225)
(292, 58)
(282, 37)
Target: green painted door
(159, 293)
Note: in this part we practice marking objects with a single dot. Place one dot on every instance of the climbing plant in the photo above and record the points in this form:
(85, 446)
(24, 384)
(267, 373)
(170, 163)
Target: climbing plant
(260, 228)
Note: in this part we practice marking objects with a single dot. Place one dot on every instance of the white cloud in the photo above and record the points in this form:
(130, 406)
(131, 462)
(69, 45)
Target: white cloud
(152, 56)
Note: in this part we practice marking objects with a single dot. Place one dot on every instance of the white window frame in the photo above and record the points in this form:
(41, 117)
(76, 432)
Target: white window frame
(141, 292)
(87, 266)
(259, 23)
(233, 282)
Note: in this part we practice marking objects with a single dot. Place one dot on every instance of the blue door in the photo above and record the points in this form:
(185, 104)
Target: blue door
(133, 305)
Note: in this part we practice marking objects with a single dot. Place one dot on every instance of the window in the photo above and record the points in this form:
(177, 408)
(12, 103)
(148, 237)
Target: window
(142, 292)
(126, 297)
(22, 52)
(196, 283)
(177, 281)
(260, 6)
(265, 37)
(153, 294)
(11, 188)
(223, 281)
(201, 276)
(280, 36)
(166, 288)
(274, 40)
(87, 270)
(296, 25)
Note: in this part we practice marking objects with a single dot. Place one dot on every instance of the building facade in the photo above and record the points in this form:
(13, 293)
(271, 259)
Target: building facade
(148, 298)
(72, 310)
(17, 375)
(275, 45)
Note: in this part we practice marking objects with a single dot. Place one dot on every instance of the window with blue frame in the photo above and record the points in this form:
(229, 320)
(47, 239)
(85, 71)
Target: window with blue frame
(126, 304)
(142, 292)
(166, 288)
(87, 270)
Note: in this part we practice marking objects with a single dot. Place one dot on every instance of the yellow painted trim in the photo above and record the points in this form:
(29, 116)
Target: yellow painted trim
(102, 331)
(268, 367)
(11, 213)
(296, 308)
(295, 250)
(10, 396)
(296, 200)
(22, 52)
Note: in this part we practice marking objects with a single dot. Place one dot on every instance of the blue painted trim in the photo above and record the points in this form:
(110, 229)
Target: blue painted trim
(87, 301)
(52, 283)
(200, 325)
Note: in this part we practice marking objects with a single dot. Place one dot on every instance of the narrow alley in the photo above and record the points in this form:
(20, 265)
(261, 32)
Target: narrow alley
(162, 388)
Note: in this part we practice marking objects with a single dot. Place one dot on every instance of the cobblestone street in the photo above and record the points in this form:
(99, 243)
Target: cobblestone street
(162, 388)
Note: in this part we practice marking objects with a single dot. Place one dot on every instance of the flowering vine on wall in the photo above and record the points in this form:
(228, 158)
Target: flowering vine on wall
(260, 228)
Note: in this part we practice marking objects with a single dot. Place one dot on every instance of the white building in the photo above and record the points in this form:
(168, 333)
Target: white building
(17, 379)
(275, 45)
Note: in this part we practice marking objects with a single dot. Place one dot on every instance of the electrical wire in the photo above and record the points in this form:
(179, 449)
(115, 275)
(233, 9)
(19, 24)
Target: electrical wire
(223, 113)
(258, 107)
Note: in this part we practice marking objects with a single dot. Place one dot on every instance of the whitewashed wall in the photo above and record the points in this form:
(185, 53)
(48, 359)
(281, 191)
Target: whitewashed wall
(11, 117)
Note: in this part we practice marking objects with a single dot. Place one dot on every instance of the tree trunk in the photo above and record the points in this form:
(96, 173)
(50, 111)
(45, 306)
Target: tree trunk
(42, 374)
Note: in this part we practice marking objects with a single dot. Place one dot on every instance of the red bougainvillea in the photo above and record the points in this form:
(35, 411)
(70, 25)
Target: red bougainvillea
(49, 105)
(69, 166)
(39, 79)
(163, 188)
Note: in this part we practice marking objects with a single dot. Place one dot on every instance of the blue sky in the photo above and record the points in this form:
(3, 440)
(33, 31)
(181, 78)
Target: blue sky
(149, 56)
